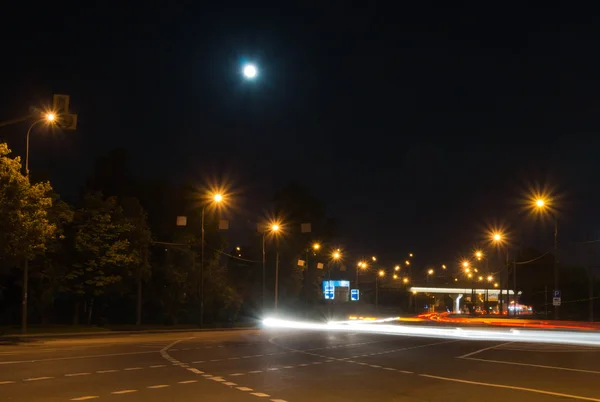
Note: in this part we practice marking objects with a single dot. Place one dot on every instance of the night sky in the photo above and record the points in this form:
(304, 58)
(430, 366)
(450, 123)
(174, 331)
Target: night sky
(417, 127)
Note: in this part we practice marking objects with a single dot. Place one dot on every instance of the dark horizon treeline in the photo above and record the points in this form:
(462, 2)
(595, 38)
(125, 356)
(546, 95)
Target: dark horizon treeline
(116, 256)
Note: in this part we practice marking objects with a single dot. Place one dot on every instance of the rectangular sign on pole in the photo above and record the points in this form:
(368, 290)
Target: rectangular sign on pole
(556, 301)
(354, 294)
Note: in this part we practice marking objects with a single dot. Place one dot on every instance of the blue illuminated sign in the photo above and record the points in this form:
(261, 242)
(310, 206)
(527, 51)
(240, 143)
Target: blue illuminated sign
(329, 288)
(354, 294)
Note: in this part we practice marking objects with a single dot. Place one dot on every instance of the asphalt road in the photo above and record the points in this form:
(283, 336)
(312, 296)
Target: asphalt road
(278, 366)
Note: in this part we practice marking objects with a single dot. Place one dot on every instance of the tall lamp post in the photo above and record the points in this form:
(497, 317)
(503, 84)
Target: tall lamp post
(498, 239)
(272, 228)
(361, 265)
(541, 204)
(380, 274)
(216, 199)
(48, 118)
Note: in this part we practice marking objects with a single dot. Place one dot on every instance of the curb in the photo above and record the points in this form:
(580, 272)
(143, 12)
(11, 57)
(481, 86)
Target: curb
(117, 333)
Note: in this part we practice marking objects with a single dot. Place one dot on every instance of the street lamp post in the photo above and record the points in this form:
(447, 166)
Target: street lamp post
(273, 228)
(542, 205)
(216, 198)
(48, 118)
(381, 274)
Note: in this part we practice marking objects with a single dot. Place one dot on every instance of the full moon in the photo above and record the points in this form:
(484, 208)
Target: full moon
(250, 71)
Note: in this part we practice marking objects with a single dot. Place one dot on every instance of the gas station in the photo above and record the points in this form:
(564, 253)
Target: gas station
(488, 298)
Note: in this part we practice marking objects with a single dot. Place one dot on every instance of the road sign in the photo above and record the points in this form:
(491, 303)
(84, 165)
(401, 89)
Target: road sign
(556, 301)
(556, 294)
(354, 294)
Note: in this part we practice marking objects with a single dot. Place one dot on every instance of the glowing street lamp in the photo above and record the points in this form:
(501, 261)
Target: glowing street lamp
(407, 262)
(443, 266)
(336, 255)
(316, 246)
(466, 264)
(397, 268)
(395, 276)
(374, 258)
(405, 280)
(490, 278)
(478, 254)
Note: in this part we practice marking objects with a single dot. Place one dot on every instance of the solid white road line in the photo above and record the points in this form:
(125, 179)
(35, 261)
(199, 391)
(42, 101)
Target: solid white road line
(532, 365)
(484, 349)
(537, 391)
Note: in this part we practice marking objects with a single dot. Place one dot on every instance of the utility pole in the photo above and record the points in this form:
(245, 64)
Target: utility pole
(546, 301)
(276, 280)
(515, 286)
(556, 308)
(377, 293)
(264, 272)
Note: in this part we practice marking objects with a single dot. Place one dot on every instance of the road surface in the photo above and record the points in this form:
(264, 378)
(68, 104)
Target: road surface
(290, 365)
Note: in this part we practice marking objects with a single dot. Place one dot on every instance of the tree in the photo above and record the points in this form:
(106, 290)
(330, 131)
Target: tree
(139, 239)
(24, 224)
(56, 262)
(102, 247)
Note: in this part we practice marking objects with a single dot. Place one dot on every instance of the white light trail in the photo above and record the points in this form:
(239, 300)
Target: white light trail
(521, 335)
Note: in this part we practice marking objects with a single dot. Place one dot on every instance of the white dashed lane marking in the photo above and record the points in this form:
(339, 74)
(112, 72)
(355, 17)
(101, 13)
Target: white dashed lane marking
(125, 391)
(187, 382)
(219, 379)
(6, 382)
(38, 379)
(132, 368)
(244, 389)
(158, 386)
(76, 374)
(85, 398)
